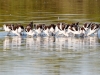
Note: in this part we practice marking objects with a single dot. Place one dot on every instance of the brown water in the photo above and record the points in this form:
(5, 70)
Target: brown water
(49, 55)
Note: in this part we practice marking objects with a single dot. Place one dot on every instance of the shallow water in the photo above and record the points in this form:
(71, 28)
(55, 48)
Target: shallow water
(49, 55)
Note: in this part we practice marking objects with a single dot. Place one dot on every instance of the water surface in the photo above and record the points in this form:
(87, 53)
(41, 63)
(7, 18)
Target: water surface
(49, 55)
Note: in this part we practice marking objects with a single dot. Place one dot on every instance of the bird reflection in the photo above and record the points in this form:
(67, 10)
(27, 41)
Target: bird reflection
(72, 43)
(16, 42)
(29, 43)
(12, 43)
(61, 43)
(51, 43)
(33, 43)
(6, 43)
(36, 43)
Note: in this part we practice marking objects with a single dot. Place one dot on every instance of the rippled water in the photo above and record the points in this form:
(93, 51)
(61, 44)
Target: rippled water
(49, 55)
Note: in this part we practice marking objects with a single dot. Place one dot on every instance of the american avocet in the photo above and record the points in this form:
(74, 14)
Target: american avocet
(82, 32)
(15, 30)
(38, 29)
(20, 29)
(74, 24)
(29, 29)
(93, 29)
(29, 32)
(52, 29)
(35, 29)
(86, 26)
(58, 28)
(30, 25)
(61, 29)
(7, 28)
(45, 31)
(70, 28)
(78, 31)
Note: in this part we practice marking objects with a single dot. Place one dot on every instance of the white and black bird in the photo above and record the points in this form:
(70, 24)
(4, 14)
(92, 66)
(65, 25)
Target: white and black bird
(93, 29)
(7, 28)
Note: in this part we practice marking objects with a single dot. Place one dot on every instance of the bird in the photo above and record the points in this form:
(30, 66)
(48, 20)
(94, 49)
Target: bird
(45, 31)
(30, 25)
(29, 32)
(77, 30)
(15, 30)
(39, 29)
(29, 29)
(51, 28)
(20, 29)
(61, 29)
(87, 26)
(82, 32)
(7, 28)
(93, 29)
(34, 29)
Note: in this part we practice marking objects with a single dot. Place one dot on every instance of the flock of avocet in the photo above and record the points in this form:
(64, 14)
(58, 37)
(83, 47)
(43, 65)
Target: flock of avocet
(52, 30)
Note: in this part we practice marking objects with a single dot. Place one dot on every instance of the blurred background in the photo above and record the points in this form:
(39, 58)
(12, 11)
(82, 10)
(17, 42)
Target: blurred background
(49, 11)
